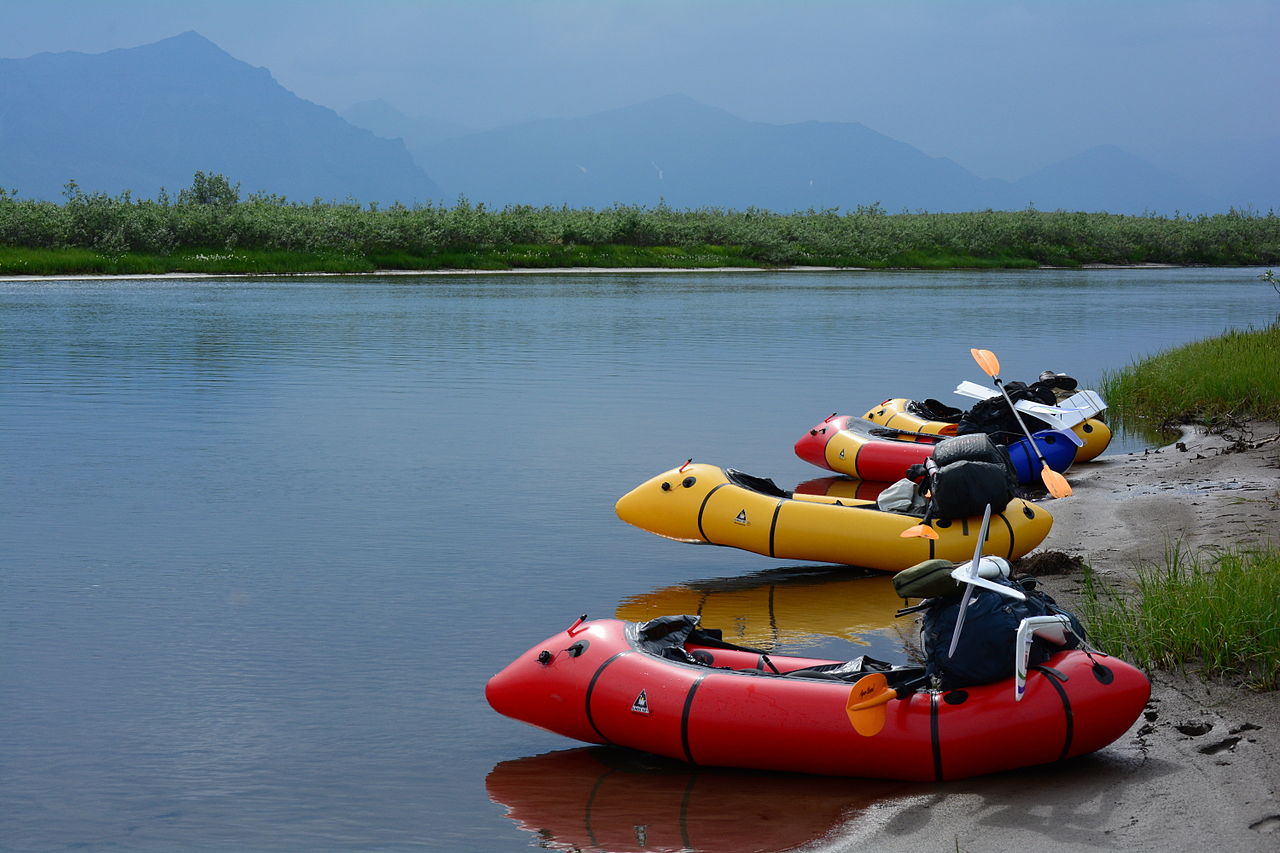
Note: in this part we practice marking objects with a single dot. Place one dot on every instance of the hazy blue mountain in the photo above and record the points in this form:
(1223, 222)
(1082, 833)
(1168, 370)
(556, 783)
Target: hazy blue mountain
(388, 122)
(1107, 178)
(147, 117)
(1241, 172)
(692, 155)
(150, 116)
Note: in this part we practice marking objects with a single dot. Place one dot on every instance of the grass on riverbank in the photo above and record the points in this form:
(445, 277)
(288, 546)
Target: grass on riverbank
(1222, 619)
(1235, 375)
(71, 261)
(74, 261)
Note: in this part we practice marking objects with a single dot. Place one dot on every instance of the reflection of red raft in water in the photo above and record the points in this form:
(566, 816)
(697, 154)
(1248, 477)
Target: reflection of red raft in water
(601, 799)
(617, 682)
(842, 487)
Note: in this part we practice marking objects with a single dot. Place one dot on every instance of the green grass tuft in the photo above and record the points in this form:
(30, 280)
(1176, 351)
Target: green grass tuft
(1221, 618)
(1236, 375)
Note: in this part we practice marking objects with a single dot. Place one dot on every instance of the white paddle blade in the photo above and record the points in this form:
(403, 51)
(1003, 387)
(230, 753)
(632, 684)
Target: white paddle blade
(1058, 416)
(964, 605)
(968, 573)
(1052, 628)
(974, 580)
(976, 391)
(1088, 402)
(982, 539)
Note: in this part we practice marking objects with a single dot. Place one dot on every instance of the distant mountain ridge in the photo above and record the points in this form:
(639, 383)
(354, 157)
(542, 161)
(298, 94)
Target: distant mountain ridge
(1110, 179)
(686, 154)
(149, 117)
(386, 121)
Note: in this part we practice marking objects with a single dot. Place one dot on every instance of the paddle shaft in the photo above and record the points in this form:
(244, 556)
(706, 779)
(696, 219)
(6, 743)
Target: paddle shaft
(1035, 448)
(973, 571)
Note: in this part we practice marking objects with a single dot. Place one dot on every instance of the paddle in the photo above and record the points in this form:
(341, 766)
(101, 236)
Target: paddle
(866, 703)
(1052, 628)
(1090, 403)
(894, 432)
(968, 574)
(1053, 481)
(923, 530)
(920, 531)
(1062, 417)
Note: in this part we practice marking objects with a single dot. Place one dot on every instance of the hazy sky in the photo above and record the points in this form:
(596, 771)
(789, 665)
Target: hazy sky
(1002, 87)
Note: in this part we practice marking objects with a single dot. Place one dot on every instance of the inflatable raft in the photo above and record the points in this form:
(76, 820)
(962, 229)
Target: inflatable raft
(895, 414)
(849, 445)
(703, 503)
(665, 688)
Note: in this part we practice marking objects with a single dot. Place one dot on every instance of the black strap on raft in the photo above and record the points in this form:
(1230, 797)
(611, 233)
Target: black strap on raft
(911, 687)
(894, 432)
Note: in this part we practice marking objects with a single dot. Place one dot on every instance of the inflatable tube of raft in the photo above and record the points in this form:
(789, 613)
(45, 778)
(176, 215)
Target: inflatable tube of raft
(603, 682)
(848, 445)
(1095, 434)
(706, 504)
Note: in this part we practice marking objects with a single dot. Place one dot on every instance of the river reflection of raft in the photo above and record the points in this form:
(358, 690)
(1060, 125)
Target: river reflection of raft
(600, 799)
(842, 487)
(703, 503)
(779, 607)
(658, 688)
(894, 413)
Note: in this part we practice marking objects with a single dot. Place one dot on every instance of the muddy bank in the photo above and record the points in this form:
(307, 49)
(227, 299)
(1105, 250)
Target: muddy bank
(1201, 768)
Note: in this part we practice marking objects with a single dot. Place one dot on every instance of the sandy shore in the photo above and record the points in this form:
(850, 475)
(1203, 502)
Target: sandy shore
(1201, 769)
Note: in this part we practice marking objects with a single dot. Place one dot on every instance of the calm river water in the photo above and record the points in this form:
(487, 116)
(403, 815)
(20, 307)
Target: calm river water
(264, 540)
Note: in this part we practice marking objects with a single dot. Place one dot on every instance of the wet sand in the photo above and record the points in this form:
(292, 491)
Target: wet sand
(1201, 769)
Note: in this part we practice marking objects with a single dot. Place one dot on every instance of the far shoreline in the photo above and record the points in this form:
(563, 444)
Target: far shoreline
(179, 276)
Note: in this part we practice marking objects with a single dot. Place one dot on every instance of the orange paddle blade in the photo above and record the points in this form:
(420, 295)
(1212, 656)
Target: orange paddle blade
(987, 361)
(1055, 483)
(866, 704)
(920, 531)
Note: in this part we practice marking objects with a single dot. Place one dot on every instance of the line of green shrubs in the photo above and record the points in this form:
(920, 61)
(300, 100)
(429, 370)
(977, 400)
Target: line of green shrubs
(269, 233)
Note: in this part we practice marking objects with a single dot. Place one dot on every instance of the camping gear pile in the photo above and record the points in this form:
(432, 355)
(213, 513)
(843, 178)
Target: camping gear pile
(1008, 678)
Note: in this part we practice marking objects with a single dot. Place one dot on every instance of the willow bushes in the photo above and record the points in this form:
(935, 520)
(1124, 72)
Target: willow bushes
(200, 219)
